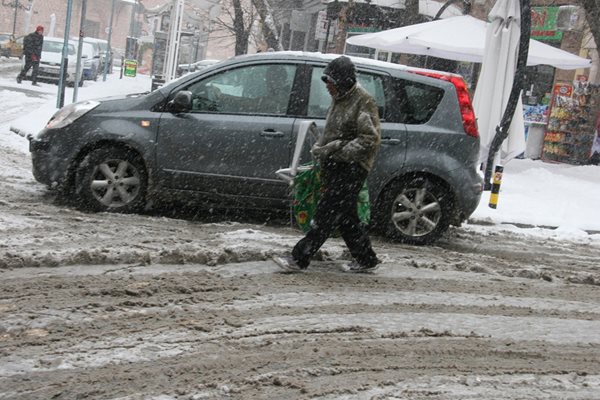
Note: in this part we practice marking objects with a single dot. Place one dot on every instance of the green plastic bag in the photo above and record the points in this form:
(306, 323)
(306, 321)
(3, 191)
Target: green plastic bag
(307, 191)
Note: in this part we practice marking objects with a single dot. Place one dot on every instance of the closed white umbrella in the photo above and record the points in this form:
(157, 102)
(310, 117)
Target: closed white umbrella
(496, 80)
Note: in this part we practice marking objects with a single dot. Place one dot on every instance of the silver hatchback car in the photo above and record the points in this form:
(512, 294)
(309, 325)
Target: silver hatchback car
(221, 133)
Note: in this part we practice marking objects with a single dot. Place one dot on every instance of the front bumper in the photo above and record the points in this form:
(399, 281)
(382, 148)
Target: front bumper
(51, 72)
(49, 164)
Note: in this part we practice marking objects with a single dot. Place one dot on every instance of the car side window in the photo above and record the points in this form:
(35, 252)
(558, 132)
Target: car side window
(417, 101)
(257, 89)
(319, 99)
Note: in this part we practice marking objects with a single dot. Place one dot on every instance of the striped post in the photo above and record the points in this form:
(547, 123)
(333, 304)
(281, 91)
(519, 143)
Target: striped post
(496, 186)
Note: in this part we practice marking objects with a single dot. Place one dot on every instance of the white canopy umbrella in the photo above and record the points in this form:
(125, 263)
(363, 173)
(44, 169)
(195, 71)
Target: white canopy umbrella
(496, 80)
(460, 38)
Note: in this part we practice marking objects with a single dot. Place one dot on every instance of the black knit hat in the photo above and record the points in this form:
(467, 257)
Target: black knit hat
(341, 73)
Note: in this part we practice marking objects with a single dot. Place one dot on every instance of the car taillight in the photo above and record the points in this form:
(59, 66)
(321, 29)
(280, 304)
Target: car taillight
(464, 99)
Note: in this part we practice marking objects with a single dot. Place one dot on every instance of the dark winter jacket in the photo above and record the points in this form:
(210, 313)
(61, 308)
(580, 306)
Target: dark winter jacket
(32, 46)
(352, 131)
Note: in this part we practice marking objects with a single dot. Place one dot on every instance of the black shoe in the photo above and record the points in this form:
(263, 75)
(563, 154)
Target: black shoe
(355, 267)
(35, 84)
(288, 264)
(19, 79)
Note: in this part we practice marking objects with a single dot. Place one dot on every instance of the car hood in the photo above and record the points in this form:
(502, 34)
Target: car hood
(136, 101)
(51, 57)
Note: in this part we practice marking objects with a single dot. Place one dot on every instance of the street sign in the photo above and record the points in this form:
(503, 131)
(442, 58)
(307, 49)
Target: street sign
(321, 28)
(130, 68)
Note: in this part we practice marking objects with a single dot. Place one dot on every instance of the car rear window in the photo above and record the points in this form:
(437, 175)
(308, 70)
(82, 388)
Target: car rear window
(416, 101)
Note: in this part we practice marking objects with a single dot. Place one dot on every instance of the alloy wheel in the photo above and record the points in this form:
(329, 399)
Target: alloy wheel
(416, 212)
(115, 183)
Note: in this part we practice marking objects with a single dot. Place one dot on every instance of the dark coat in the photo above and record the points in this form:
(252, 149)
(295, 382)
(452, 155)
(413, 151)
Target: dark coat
(352, 131)
(32, 45)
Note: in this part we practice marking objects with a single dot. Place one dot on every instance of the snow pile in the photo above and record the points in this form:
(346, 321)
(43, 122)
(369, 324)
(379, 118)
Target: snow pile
(547, 195)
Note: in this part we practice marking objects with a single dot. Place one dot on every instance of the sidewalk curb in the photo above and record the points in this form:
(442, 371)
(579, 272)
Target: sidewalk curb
(482, 222)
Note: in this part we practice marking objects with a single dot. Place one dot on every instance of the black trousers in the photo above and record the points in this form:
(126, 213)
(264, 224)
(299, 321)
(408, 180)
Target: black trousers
(29, 63)
(336, 209)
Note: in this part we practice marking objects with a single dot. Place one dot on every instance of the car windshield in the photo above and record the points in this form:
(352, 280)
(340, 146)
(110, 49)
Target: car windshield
(88, 50)
(56, 47)
(94, 45)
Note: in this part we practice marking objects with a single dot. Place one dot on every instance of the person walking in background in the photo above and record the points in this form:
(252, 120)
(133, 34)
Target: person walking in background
(32, 50)
(346, 153)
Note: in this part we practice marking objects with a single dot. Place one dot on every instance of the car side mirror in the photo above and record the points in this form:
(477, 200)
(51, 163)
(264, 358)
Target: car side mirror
(84, 56)
(181, 102)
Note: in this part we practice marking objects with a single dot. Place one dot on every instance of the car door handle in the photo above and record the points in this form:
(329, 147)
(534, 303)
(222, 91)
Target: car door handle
(271, 133)
(391, 141)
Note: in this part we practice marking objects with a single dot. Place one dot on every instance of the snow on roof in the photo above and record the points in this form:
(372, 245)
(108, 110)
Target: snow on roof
(327, 57)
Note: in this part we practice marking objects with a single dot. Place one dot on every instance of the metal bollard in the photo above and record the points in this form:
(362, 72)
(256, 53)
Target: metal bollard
(497, 180)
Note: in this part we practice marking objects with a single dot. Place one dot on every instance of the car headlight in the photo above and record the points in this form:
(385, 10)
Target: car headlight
(70, 113)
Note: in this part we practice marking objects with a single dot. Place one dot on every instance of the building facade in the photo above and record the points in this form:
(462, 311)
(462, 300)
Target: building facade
(52, 14)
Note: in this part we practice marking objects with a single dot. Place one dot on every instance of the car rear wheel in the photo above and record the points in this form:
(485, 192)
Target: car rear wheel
(415, 210)
(112, 179)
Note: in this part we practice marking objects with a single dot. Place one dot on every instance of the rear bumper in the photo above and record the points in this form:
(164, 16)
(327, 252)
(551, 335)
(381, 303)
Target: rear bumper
(88, 74)
(468, 195)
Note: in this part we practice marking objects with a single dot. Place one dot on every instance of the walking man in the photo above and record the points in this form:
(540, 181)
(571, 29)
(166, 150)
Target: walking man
(32, 50)
(346, 153)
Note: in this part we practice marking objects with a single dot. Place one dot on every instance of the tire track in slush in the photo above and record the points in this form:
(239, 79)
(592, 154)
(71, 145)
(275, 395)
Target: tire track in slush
(304, 331)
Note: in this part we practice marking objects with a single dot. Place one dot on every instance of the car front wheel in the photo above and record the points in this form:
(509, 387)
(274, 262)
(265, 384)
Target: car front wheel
(415, 210)
(112, 179)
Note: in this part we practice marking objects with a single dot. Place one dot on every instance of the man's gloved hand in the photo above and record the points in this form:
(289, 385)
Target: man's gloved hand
(322, 152)
(34, 58)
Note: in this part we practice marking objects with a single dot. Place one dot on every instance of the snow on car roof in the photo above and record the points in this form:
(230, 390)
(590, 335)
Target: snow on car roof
(327, 57)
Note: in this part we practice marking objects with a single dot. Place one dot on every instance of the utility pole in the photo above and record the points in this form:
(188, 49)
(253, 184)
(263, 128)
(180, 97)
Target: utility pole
(174, 38)
(15, 18)
(60, 101)
(133, 19)
(79, 69)
(109, 52)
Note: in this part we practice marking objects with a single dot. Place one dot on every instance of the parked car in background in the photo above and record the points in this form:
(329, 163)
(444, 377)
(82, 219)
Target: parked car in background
(223, 132)
(118, 55)
(11, 46)
(183, 69)
(52, 58)
(91, 61)
(104, 51)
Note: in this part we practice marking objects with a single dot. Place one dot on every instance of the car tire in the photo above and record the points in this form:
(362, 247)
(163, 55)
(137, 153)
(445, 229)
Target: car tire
(415, 210)
(112, 179)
